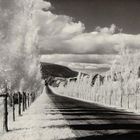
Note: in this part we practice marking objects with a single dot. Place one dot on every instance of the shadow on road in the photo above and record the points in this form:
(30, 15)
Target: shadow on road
(91, 121)
(128, 136)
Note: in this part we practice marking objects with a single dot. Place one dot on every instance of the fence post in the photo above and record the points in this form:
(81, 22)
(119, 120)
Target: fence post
(136, 102)
(122, 92)
(25, 98)
(35, 96)
(23, 103)
(105, 97)
(19, 103)
(128, 102)
(28, 100)
(121, 99)
(13, 101)
(110, 99)
(5, 120)
(31, 98)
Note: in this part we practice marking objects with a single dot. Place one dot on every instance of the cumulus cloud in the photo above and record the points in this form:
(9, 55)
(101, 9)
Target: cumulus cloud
(58, 25)
(65, 42)
(104, 43)
(110, 30)
(42, 5)
(59, 34)
(55, 30)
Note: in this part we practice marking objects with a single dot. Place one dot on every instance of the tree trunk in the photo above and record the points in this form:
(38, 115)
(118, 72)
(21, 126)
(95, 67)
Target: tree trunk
(28, 100)
(5, 120)
(23, 102)
(13, 101)
(19, 103)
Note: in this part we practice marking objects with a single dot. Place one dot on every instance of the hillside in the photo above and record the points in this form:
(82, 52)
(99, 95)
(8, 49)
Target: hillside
(55, 70)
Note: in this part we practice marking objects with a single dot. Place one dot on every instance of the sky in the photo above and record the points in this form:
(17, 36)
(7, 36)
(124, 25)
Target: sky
(84, 35)
(88, 35)
(93, 13)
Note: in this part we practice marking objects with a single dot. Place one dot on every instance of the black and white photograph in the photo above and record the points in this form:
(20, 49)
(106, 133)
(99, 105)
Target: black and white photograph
(69, 69)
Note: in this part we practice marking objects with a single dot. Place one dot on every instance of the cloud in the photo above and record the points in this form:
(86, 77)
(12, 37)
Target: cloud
(110, 30)
(63, 41)
(85, 67)
(95, 59)
(89, 68)
(40, 4)
(67, 41)
(60, 26)
(59, 34)
(55, 30)
(88, 63)
(89, 43)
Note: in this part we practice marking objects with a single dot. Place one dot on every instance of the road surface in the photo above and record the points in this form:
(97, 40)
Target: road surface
(90, 121)
(53, 117)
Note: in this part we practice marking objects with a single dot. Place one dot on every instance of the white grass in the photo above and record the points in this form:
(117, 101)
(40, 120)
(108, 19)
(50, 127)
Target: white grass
(37, 123)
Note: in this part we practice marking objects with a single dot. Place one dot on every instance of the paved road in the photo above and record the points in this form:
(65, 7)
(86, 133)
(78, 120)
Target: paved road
(93, 122)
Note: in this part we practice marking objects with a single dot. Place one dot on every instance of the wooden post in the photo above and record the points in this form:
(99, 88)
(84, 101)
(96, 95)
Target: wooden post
(34, 96)
(105, 97)
(121, 99)
(23, 102)
(13, 101)
(128, 101)
(25, 98)
(122, 92)
(28, 99)
(5, 119)
(31, 98)
(19, 103)
(110, 101)
(136, 102)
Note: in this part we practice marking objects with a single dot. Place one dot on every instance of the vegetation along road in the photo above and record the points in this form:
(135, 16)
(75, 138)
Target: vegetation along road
(91, 121)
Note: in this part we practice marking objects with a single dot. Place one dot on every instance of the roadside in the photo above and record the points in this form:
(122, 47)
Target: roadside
(38, 123)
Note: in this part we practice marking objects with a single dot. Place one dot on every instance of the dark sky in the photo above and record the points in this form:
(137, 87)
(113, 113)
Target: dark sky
(123, 13)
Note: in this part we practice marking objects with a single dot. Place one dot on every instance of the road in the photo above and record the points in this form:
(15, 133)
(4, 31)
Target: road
(53, 117)
(91, 121)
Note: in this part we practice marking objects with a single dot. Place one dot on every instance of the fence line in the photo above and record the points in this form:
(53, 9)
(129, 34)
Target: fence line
(114, 94)
(23, 101)
(5, 116)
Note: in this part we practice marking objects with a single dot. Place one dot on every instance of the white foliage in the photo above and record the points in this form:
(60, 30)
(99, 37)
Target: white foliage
(19, 47)
(121, 86)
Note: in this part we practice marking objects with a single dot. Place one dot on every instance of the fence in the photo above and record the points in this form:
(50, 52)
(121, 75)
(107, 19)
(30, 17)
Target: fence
(12, 106)
(111, 93)
(5, 112)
